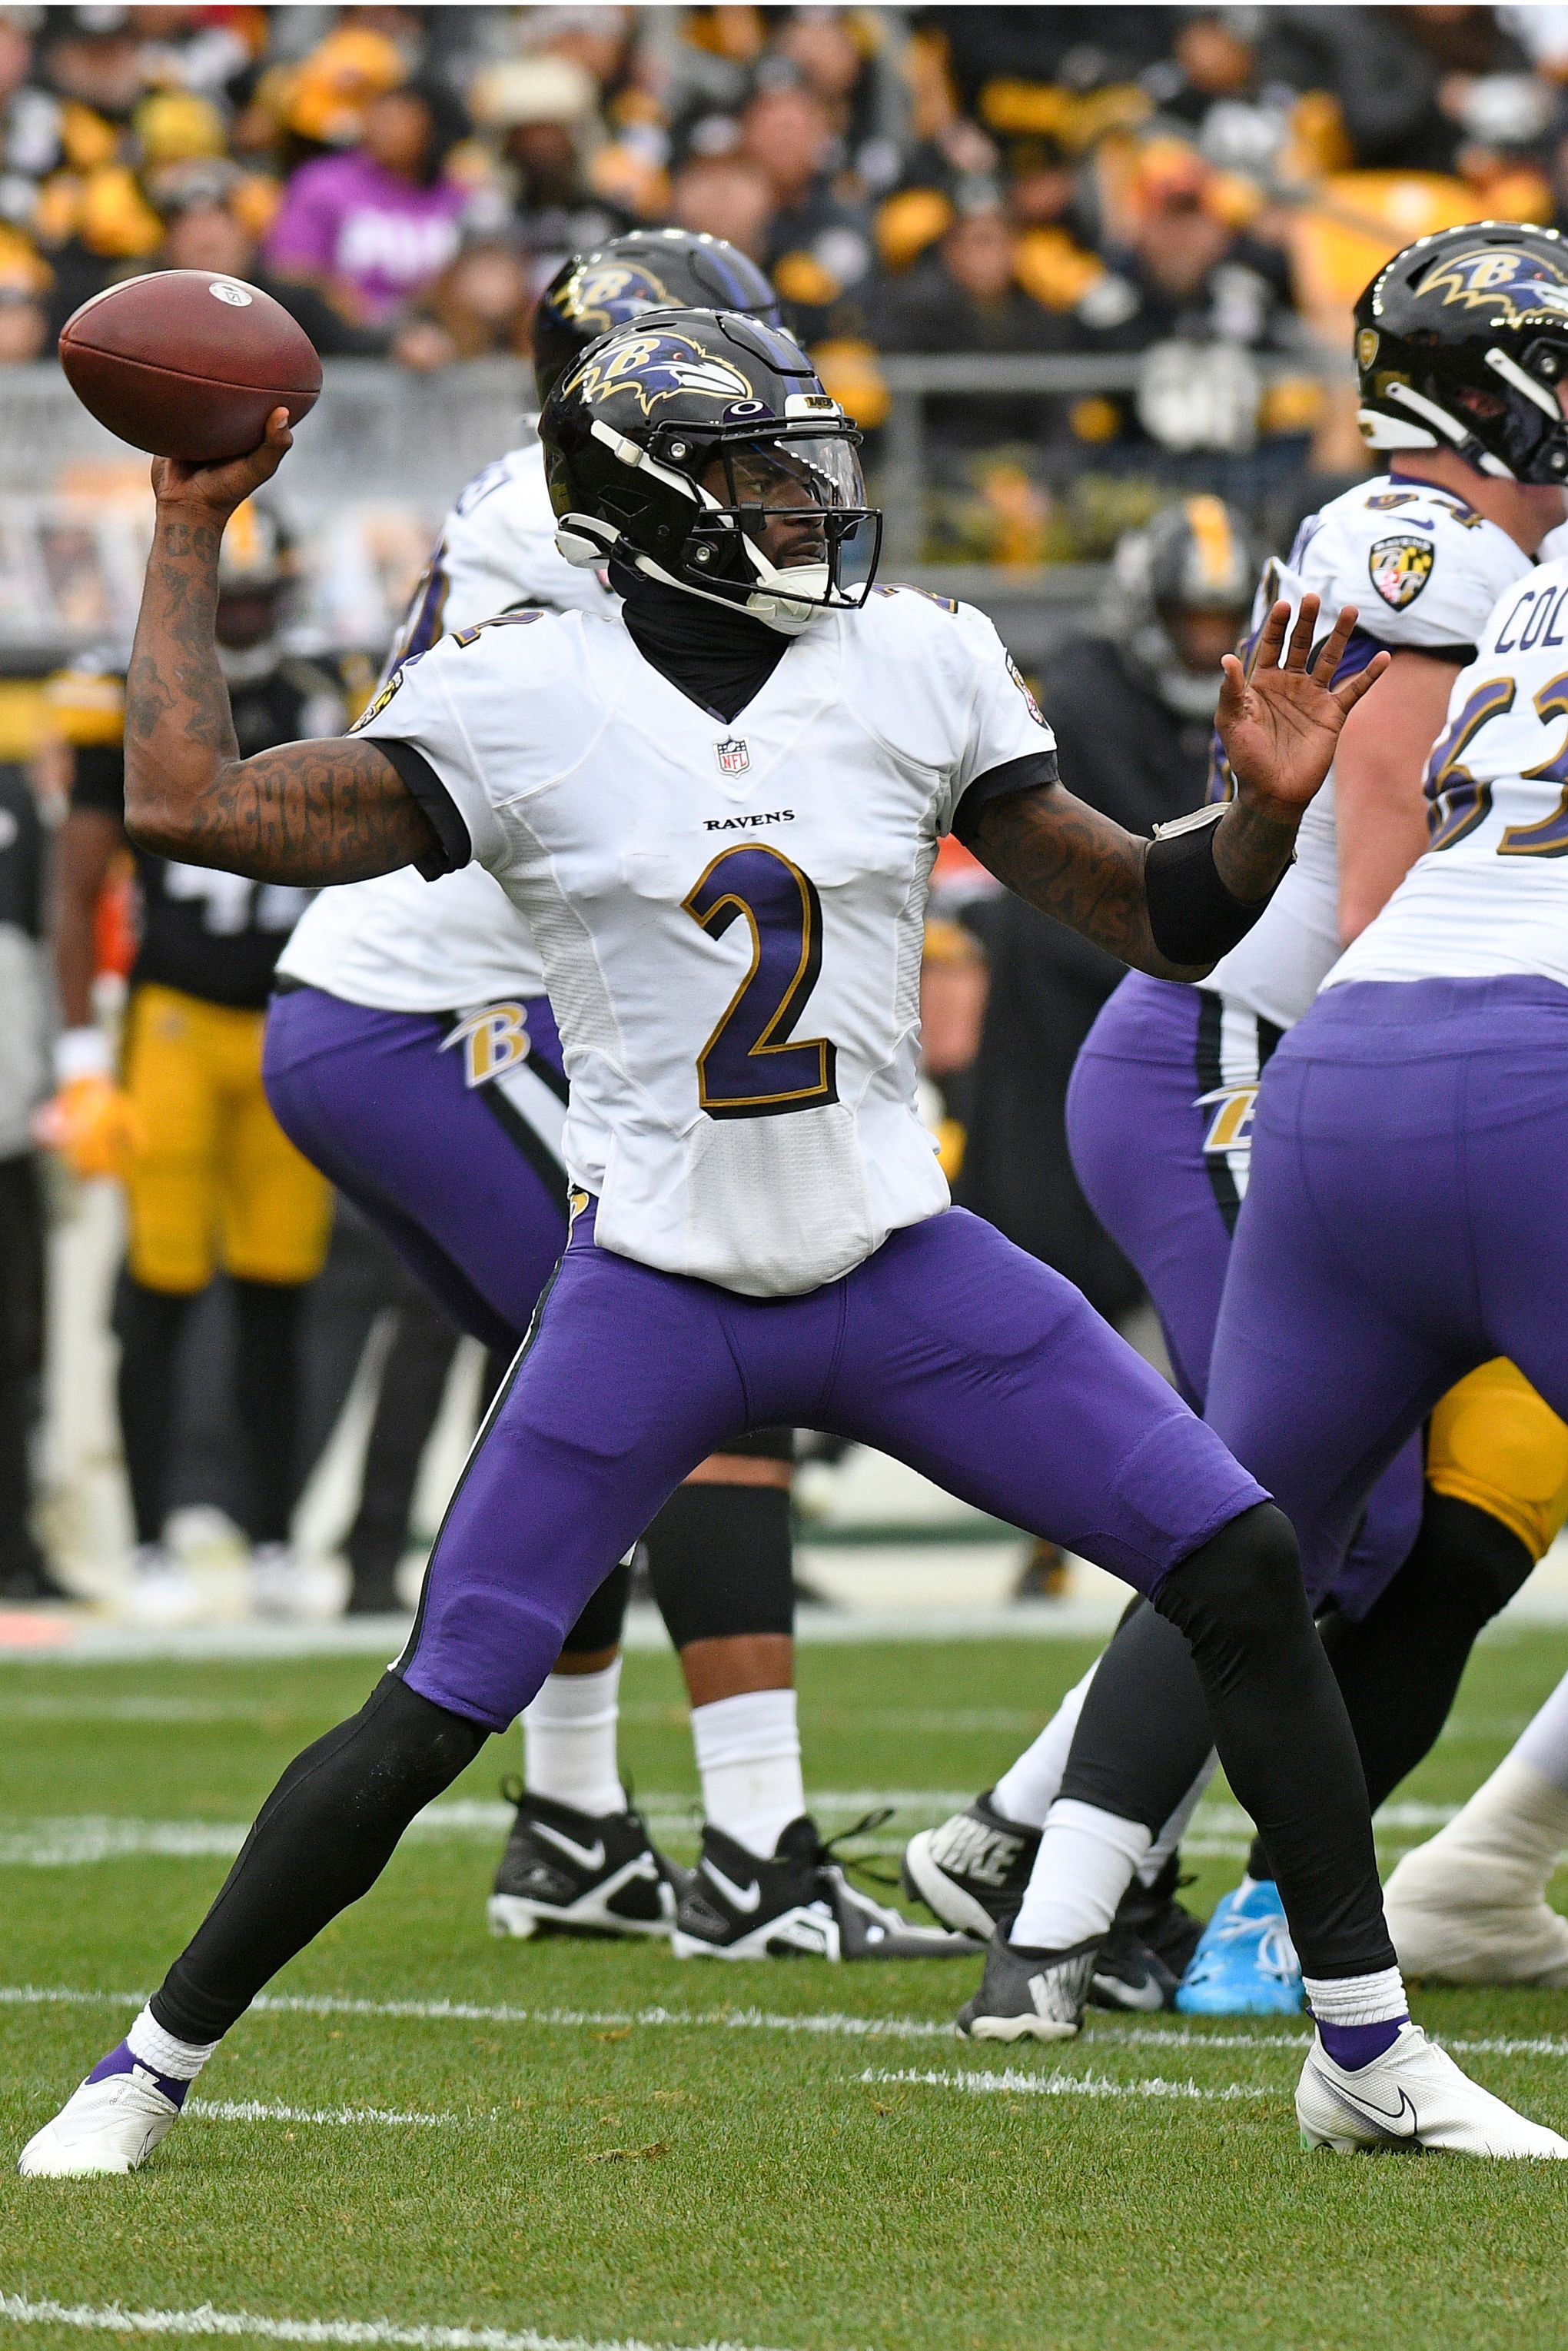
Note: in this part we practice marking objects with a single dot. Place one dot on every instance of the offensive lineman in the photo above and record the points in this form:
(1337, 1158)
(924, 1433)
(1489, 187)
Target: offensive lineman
(413, 1055)
(1160, 1113)
(760, 1229)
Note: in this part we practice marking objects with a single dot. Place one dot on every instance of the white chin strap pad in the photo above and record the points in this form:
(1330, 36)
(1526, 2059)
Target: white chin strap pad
(772, 602)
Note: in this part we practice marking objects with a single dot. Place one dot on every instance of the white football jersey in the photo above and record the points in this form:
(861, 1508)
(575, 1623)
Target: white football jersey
(1423, 570)
(400, 943)
(1491, 894)
(731, 916)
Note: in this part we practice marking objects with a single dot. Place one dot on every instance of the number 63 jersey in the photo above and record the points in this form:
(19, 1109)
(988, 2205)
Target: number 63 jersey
(1490, 897)
(730, 913)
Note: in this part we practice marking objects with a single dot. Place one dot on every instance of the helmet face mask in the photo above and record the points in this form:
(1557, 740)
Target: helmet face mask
(700, 449)
(1461, 344)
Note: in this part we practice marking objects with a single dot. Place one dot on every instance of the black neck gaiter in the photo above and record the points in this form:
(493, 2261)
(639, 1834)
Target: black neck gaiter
(717, 658)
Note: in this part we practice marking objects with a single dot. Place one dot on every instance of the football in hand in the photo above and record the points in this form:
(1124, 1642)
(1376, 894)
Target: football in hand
(189, 364)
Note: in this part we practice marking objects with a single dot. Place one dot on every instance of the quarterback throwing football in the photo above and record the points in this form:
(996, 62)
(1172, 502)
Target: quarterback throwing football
(720, 827)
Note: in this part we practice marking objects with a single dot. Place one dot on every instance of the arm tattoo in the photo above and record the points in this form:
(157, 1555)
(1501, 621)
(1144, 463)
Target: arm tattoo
(306, 813)
(1251, 850)
(1068, 860)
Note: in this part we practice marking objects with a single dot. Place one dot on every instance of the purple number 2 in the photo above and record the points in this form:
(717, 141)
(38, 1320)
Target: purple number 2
(752, 1066)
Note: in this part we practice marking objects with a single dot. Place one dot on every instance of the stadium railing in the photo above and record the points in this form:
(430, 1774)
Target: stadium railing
(381, 455)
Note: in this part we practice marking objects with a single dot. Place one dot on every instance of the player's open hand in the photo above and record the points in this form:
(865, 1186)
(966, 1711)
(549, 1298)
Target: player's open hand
(222, 488)
(1280, 721)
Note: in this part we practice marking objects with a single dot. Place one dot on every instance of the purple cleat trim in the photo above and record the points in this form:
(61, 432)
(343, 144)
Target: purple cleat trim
(124, 2060)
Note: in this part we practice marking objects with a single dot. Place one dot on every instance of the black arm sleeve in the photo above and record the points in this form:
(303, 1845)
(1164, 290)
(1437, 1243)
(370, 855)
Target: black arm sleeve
(1192, 918)
(422, 780)
(1019, 776)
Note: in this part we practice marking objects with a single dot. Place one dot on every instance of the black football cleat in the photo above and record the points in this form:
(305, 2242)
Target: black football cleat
(734, 1906)
(1143, 1957)
(568, 1873)
(972, 1871)
(1028, 1995)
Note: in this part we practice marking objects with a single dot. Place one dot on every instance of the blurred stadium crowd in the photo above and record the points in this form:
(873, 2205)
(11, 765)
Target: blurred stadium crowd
(977, 181)
(1174, 207)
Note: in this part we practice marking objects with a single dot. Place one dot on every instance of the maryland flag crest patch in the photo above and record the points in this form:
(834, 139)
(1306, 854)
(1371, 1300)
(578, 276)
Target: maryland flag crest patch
(1399, 569)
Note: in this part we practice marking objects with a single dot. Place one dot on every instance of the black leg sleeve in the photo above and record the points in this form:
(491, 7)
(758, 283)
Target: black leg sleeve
(1144, 1734)
(266, 1399)
(149, 1325)
(603, 1618)
(1283, 1736)
(320, 1841)
(721, 1562)
(1400, 1666)
(413, 1380)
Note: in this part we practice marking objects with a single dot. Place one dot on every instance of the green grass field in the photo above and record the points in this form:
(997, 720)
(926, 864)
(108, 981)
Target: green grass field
(596, 2142)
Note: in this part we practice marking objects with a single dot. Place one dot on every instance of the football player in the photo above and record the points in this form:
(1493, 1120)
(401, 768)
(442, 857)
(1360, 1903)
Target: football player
(413, 1055)
(210, 1178)
(1160, 1115)
(760, 1231)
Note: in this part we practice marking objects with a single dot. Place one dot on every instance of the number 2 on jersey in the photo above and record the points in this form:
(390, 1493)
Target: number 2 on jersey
(752, 1066)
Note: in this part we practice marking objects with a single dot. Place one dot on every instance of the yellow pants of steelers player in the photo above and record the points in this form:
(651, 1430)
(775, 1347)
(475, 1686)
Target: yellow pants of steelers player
(1493, 1442)
(214, 1180)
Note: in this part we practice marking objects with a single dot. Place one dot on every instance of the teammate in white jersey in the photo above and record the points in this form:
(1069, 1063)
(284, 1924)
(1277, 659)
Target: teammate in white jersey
(414, 1056)
(1160, 1116)
(720, 821)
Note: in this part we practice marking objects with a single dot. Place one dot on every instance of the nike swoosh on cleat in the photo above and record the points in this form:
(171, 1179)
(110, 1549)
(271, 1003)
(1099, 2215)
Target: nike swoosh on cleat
(1401, 2124)
(1144, 1996)
(587, 1856)
(744, 1900)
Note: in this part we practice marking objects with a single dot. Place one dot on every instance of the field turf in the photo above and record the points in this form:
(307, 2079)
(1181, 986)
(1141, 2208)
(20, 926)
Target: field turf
(597, 2143)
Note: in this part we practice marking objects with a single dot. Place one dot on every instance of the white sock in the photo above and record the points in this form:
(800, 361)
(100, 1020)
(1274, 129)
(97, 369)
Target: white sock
(182, 2061)
(1027, 1792)
(748, 1753)
(1518, 1819)
(570, 1742)
(1358, 2000)
(1084, 1865)
(1544, 1745)
(1175, 1828)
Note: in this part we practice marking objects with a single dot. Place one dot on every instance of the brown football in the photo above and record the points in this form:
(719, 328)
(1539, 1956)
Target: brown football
(189, 364)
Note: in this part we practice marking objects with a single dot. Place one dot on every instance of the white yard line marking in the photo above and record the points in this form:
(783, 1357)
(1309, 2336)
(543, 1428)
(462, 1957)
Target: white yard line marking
(825, 2024)
(21, 2310)
(1068, 2085)
(258, 2110)
(73, 1840)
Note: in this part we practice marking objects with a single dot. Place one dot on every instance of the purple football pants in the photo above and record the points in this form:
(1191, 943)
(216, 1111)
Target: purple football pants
(467, 1192)
(1136, 1135)
(1406, 1219)
(948, 1347)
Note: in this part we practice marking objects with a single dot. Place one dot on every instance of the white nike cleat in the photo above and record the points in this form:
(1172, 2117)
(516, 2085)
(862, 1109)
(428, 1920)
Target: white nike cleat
(1412, 2097)
(106, 2125)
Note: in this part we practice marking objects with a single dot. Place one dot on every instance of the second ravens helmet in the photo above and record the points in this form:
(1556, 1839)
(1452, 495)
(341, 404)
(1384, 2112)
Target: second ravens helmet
(1461, 341)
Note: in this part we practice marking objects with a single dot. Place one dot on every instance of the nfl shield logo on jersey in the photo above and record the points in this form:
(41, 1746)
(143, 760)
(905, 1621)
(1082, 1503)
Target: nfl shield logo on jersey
(1399, 569)
(733, 756)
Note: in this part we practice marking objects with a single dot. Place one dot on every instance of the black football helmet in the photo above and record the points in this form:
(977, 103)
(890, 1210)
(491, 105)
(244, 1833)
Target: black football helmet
(1196, 556)
(680, 443)
(1460, 343)
(646, 269)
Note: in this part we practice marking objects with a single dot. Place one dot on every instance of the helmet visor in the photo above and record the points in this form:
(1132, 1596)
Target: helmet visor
(799, 499)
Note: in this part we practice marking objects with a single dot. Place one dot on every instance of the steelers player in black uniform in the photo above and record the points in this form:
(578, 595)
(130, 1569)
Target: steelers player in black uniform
(210, 1178)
